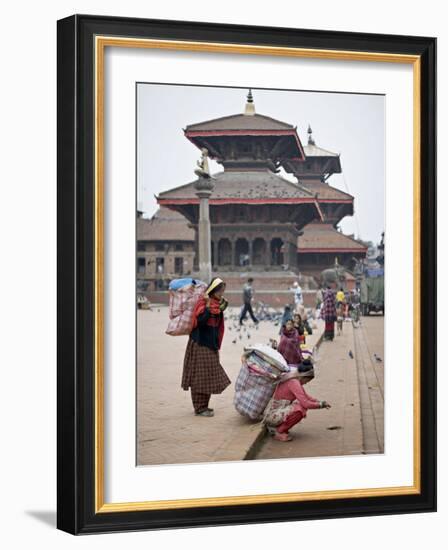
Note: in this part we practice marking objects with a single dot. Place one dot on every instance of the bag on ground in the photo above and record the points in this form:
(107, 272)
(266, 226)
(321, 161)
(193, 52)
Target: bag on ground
(260, 372)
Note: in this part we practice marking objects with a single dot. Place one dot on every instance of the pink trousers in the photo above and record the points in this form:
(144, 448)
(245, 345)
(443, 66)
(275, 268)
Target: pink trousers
(291, 420)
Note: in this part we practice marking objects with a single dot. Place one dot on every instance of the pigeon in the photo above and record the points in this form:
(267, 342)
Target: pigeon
(234, 341)
(377, 358)
(350, 354)
(248, 336)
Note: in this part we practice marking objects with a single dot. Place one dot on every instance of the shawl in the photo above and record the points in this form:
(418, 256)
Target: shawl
(328, 312)
(289, 347)
(216, 319)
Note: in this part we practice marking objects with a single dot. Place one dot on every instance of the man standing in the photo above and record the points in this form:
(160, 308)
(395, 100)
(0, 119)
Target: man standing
(248, 293)
(298, 297)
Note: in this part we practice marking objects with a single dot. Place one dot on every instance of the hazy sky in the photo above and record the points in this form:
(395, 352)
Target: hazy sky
(349, 124)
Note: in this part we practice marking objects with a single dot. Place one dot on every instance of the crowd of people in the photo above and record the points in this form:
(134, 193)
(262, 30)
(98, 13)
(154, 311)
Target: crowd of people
(204, 375)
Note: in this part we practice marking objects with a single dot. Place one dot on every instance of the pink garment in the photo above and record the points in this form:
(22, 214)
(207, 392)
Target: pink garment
(292, 390)
(291, 420)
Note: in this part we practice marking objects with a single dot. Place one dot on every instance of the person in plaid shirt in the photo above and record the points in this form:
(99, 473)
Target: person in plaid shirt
(328, 313)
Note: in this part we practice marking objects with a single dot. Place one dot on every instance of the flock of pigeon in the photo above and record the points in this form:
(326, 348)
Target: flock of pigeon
(241, 331)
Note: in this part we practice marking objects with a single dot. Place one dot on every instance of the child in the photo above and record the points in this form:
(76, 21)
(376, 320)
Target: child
(289, 405)
(289, 345)
(300, 327)
(340, 318)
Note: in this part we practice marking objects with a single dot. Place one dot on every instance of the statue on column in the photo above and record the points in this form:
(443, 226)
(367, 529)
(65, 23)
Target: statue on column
(204, 188)
(203, 169)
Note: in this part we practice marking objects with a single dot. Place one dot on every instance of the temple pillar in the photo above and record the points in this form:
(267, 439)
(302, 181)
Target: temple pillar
(204, 187)
(251, 262)
(232, 254)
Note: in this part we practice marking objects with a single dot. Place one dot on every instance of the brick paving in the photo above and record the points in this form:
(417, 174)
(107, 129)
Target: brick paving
(167, 430)
(356, 417)
(333, 432)
(169, 433)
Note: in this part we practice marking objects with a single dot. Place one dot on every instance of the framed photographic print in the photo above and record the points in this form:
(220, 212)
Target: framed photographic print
(233, 346)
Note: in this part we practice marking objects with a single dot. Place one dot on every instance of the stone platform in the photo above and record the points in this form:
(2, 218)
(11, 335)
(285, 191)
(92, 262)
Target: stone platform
(271, 287)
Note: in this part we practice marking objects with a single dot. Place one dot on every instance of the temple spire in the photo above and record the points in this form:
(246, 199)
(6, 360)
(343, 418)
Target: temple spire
(250, 107)
(310, 136)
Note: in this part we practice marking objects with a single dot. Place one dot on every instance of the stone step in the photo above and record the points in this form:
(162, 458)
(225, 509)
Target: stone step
(371, 393)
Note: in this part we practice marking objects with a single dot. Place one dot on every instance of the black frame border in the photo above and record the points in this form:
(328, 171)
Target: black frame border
(75, 272)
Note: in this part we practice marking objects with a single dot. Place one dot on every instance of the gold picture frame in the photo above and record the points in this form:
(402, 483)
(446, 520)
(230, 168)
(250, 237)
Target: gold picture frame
(95, 35)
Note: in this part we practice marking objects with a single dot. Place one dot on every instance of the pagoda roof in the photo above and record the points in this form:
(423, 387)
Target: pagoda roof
(312, 150)
(242, 187)
(240, 122)
(323, 237)
(165, 225)
(326, 192)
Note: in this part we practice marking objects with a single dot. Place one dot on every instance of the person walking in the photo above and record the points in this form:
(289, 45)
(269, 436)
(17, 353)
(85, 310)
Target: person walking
(298, 297)
(202, 370)
(340, 296)
(248, 293)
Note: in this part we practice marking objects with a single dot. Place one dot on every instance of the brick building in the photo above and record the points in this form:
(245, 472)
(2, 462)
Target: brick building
(165, 249)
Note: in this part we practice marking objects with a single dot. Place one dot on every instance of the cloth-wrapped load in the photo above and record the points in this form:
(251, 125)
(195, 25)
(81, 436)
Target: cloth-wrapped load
(184, 294)
(307, 355)
(261, 369)
(177, 284)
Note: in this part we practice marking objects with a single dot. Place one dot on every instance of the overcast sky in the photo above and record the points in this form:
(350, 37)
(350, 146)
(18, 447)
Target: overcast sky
(349, 124)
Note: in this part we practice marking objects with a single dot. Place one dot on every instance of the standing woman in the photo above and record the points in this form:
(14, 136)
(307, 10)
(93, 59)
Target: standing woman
(329, 313)
(202, 370)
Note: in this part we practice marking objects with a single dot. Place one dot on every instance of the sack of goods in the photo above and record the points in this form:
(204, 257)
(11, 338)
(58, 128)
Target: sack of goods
(261, 368)
(184, 294)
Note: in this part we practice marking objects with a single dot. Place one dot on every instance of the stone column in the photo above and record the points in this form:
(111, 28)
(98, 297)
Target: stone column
(250, 251)
(204, 187)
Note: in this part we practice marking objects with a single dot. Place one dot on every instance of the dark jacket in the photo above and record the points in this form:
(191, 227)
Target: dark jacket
(248, 293)
(207, 331)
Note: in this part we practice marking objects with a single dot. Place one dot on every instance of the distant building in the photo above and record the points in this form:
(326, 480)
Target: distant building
(321, 245)
(165, 249)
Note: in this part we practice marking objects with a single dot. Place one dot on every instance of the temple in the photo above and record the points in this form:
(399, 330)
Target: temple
(321, 243)
(261, 222)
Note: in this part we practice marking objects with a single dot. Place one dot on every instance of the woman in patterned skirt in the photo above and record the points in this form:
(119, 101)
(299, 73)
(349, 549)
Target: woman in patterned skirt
(202, 372)
(328, 313)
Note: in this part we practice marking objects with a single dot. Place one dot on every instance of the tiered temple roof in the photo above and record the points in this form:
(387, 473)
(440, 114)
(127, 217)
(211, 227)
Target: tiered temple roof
(247, 139)
(323, 237)
(327, 193)
(251, 186)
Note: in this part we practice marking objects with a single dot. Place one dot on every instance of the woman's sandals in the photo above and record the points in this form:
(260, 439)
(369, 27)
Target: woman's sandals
(206, 413)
